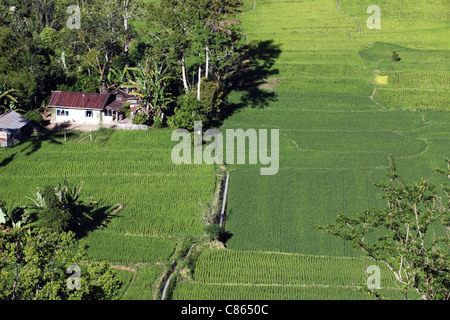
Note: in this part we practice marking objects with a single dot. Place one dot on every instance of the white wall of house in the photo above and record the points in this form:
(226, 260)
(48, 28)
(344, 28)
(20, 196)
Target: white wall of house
(110, 116)
(77, 115)
(107, 119)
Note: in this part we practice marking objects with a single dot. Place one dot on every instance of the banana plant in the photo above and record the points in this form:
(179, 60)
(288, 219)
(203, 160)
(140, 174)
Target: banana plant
(149, 82)
(15, 217)
(67, 200)
(7, 98)
(116, 78)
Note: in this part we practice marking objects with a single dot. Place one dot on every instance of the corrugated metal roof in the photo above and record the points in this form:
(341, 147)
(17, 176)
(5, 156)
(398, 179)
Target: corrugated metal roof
(81, 100)
(116, 105)
(12, 121)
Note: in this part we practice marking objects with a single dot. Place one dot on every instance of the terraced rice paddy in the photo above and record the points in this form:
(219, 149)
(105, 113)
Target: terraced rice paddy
(161, 201)
(339, 133)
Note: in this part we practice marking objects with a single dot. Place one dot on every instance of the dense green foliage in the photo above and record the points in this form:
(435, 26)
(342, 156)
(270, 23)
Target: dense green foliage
(35, 262)
(335, 141)
(144, 283)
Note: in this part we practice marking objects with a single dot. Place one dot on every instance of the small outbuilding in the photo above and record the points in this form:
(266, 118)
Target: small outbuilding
(13, 128)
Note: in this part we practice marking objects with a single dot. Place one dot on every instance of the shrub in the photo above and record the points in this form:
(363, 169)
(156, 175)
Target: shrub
(395, 56)
(214, 231)
(126, 109)
(140, 118)
(189, 111)
(35, 117)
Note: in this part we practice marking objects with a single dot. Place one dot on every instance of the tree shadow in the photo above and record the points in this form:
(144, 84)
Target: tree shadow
(250, 83)
(225, 236)
(7, 160)
(34, 142)
(100, 216)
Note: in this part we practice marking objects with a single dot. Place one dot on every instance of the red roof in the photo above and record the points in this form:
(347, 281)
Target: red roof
(116, 105)
(81, 100)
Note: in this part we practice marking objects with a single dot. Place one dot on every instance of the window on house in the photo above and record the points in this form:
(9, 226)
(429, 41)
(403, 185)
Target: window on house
(108, 113)
(62, 113)
(88, 114)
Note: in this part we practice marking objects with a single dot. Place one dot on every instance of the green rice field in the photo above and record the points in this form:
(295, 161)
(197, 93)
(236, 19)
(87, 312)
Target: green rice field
(339, 133)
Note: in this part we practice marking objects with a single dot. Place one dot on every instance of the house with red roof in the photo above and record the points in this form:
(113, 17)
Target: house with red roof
(89, 108)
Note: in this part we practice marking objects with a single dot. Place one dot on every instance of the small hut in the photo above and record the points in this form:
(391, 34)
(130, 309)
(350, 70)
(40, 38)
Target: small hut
(13, 128)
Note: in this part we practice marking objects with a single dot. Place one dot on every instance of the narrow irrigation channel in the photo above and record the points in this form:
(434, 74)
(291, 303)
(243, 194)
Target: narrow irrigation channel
(183, 261)
(224, 201)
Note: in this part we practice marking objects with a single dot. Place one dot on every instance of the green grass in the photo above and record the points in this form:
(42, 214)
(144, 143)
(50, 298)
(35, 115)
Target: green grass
(128, 249)
(200, 291)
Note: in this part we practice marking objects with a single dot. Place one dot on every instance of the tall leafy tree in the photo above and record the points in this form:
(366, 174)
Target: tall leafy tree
(175, 21)
(411, 235)
(129, 9)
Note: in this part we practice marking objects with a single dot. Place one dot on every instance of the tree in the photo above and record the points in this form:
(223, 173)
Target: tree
(52, 213)
(14, 217)
(60, 208)
(402, 235)
(116, 78)
(189, 111)
(395, 56)
(176, 22)
(34, 265)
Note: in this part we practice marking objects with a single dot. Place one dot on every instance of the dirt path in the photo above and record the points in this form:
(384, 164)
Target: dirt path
(59, 126)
